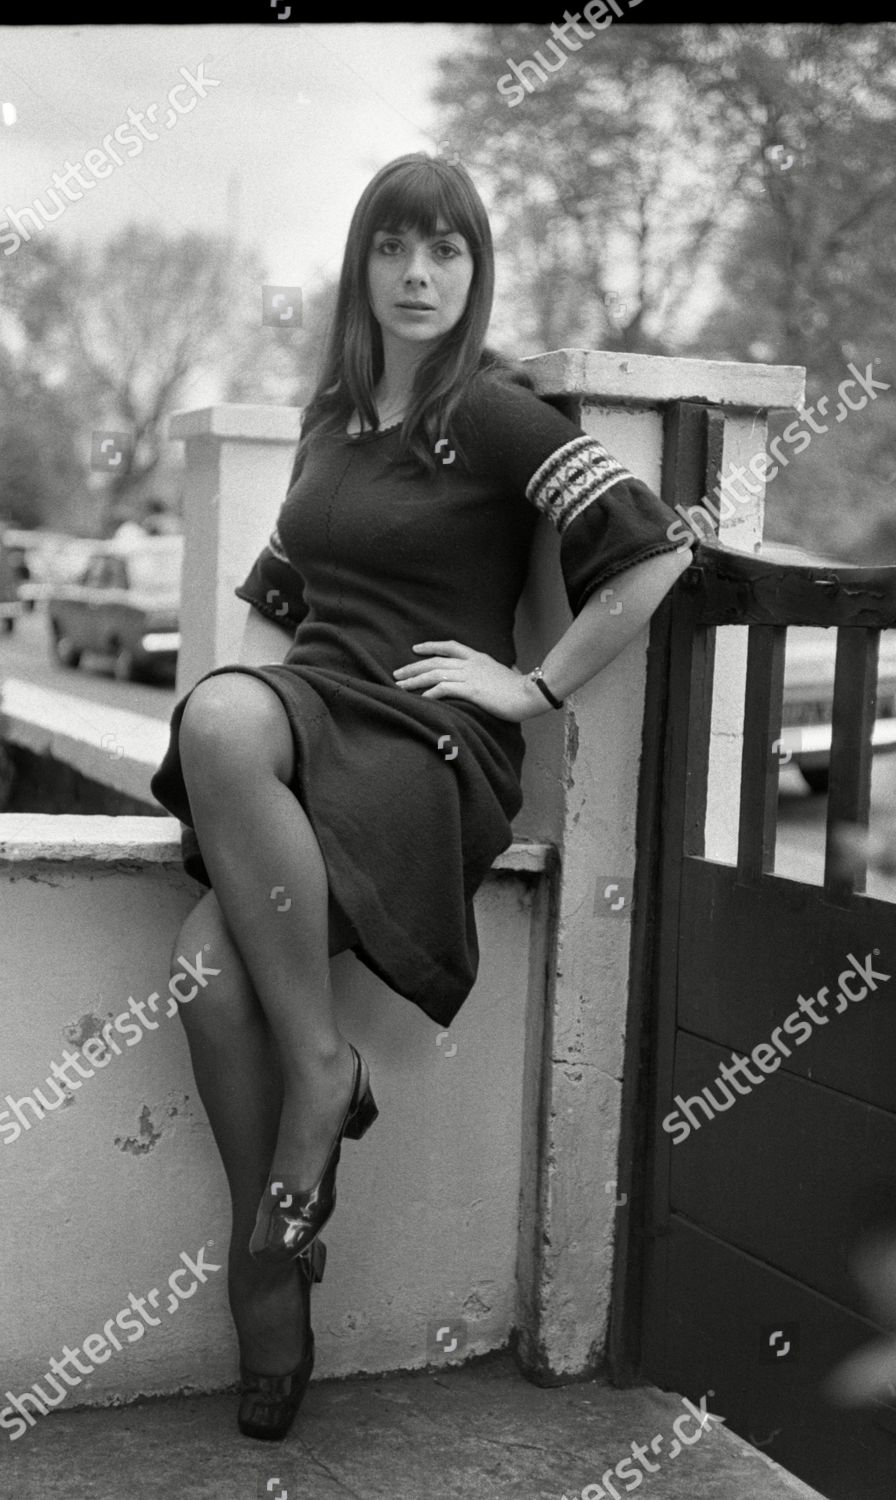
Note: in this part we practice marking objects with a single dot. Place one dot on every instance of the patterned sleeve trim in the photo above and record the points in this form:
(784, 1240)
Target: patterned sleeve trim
(572, 478)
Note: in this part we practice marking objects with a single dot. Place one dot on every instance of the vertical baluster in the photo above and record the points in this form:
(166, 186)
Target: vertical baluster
(760, 762)
(693, 446)
(849, 790)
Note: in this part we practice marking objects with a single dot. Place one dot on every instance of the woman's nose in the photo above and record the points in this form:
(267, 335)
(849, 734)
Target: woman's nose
(416, 269)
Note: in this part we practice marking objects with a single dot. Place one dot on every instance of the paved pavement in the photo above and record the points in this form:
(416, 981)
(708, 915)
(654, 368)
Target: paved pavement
(479, 1431)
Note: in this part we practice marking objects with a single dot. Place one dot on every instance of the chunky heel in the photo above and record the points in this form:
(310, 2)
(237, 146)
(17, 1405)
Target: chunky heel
(313, 1260)
(362, 1119)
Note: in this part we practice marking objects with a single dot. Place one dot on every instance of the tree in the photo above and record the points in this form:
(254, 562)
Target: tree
(280, 365)
(806, 275)
(608, 190)
(125, 331)
(42, 479)
(720, 191)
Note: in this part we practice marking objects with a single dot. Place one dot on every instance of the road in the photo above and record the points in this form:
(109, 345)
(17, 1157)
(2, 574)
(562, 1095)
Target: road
(26, 654)
(801, 826)
(801, 816)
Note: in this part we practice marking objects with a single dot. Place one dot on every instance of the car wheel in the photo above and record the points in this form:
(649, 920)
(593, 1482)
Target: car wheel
(816, 778)
(62, 649)
(123, 665)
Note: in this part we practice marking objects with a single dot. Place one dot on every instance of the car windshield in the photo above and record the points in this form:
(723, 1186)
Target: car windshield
(155, 572)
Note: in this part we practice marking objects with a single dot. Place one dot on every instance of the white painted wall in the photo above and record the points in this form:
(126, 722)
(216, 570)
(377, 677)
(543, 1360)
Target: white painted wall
(102, 1195)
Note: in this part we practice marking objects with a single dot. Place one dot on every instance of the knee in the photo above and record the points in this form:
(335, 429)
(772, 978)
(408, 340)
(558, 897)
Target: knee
(213, 714)
(229, 724)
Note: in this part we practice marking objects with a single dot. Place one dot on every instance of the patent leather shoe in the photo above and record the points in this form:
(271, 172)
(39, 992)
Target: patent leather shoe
(289, 1222)
(268, 1403)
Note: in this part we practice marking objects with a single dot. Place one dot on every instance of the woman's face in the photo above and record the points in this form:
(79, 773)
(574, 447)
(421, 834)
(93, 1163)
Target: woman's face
(418, 285)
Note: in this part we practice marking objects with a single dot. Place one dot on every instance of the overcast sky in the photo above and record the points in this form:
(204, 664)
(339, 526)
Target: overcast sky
(297, 122)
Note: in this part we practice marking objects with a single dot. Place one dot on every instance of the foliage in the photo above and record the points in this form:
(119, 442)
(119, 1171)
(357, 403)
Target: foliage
(719, 191)
(121, 336)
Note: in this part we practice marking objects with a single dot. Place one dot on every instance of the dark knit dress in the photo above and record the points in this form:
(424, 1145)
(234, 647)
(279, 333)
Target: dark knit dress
(411, 798)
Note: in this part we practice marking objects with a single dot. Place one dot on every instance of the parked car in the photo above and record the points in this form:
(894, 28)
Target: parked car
(124, 606)
(38, 560)
(17, 550)
(61, 559)
(809, 696)
(11, 603)
(809, 686)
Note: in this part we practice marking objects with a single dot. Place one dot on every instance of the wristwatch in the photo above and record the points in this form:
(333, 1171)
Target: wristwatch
(537, 677)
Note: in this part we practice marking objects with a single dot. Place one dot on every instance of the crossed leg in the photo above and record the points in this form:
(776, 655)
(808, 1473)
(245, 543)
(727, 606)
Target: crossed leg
(271, 1066)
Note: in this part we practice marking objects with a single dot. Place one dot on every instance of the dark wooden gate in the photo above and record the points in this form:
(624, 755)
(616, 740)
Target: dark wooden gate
(732, 1270)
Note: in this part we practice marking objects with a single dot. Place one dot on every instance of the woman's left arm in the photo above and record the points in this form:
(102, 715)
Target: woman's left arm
(607, 621)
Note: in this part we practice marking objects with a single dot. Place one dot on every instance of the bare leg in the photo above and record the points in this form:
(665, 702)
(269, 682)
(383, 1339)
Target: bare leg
(237, 756)
(238, 1078)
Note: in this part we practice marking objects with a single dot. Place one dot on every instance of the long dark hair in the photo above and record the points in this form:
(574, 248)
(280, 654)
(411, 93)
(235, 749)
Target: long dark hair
(413, 192)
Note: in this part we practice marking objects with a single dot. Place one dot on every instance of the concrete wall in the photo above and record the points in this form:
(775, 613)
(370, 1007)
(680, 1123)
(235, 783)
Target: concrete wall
(500, 1154)
(103, 1194)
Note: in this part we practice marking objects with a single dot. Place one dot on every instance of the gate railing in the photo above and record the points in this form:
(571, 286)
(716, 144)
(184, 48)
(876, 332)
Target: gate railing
(730, 588)
(727, 942)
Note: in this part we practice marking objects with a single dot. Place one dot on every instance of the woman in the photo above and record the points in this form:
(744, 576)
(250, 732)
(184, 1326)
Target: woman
(352, 789)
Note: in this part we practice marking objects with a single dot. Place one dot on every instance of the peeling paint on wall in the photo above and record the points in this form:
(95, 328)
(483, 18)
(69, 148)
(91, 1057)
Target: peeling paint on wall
(147, 1138)
(475, 1307)
(570, 750)
(86, 1027)
(148, 1132)
(352, 1322)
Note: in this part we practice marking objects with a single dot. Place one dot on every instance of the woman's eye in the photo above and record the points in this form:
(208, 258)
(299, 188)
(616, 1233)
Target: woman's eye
(449, 250)
(388, 247)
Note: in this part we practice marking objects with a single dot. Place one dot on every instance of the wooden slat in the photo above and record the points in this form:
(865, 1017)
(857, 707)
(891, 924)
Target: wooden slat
(715, 447)
(747, 953)
(725, 1304)
(849, 788)
(801, 1219)
(695, 772)
(624, 1333)
(760, 762)
(738, 588)
(693, 458)
(687, 692)
(693, 453)
(689, 457)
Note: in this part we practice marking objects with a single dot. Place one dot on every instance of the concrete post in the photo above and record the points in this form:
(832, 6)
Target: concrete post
(238, 461)
(581, 788)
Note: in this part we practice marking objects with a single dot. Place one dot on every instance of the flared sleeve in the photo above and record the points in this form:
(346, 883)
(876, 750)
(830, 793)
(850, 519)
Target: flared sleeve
(607, 519)
(274, 586)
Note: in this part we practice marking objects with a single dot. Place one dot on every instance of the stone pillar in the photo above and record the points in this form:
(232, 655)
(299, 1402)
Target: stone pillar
(238, 462)
(581, 789)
